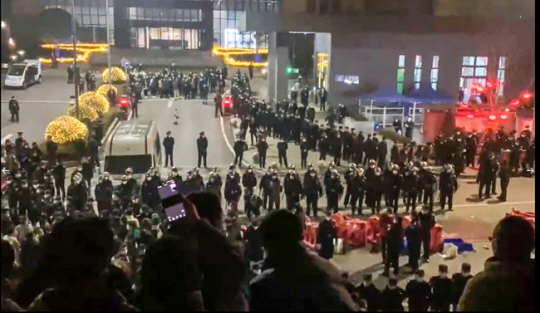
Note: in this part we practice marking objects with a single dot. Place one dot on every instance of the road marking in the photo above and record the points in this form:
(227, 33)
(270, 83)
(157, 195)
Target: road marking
(6, 137)
(230, 146)
(491, 204)
(169, 104)
(41, 101)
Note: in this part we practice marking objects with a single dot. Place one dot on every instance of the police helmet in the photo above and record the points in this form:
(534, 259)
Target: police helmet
(129, 170)
(353, 166)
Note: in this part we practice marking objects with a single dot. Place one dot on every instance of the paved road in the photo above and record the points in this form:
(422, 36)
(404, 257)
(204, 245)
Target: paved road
(39, 104)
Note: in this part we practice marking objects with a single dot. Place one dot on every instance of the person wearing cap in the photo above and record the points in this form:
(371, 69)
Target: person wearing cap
(441, 286)
(418, 291)
(324, 146)
(507, 282)
(168, 144)
(14, 109)
(202, 146)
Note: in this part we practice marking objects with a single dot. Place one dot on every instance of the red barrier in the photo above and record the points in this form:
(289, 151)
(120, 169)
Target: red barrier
(373, 231)
(528, 216)
(436, 238)
(355, 235)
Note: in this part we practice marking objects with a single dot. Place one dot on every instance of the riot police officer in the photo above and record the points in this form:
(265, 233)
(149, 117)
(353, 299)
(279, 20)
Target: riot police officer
(312, 190)
(174, 175)
(274, 191)
(357, 189)
(411, 185)
(394, 185)
(304, 150)
(348, 176)
(334, 189)
(249, 182)
(103, 193)
(232, 191)
(447, 186)
(293, 188)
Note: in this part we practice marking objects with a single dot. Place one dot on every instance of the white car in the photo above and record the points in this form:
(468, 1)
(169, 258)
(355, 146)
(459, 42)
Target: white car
(22, 75)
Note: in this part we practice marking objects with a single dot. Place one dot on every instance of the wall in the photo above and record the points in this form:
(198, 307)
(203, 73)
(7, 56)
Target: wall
(480, 8)
(374, 57)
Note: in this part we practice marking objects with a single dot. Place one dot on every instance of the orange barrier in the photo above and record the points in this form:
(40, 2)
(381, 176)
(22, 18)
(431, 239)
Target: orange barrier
(355, 235)
(341, 223)
(373, 231)
(436, 238)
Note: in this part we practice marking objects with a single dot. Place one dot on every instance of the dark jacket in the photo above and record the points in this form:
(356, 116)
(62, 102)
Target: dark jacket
(202, 144)
(419, 294)
(168, 143)
(501, 287)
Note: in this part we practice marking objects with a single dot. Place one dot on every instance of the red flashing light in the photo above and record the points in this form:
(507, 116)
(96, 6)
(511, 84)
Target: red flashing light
(489, 85)
(227, 102)
(480, 89)
(123, 102)
(470, 116)
(514, 103)
(526, 95)
(464, 104)
(492, 117)
(504, 116)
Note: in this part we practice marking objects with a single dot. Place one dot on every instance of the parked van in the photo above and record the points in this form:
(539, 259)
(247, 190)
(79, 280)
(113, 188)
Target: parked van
(135, 144)
(23, 75)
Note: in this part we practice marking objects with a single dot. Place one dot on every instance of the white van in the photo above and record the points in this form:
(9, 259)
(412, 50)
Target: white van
(22, 75)
(134, 144)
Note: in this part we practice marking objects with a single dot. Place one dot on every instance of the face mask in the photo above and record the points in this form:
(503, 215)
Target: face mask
(419, 279)
(442, 275)
(274, 177)
(106, 178)
(79, 168)
(148, 178)
(312, 174)
(391, 287)
(17, 175)
(249, 171)
(395, 172)
(124, 182)
(129, 176)
(372, 166)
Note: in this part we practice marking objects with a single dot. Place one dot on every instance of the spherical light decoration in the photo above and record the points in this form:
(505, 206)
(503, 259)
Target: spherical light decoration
(104, 89)
(86, 112)
(118, 75)
(97, 101)
(66, 129)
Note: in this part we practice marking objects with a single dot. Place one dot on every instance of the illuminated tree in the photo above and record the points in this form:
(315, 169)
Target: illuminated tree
(118, 76)
(86, 112)
(97, 101)
(66, 129)
(104, 89)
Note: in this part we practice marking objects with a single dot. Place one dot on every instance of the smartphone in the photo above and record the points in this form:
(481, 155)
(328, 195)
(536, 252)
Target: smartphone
(175, 212)
(168, 189)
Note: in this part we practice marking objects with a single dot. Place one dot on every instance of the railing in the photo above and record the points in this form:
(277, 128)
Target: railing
(386, 115)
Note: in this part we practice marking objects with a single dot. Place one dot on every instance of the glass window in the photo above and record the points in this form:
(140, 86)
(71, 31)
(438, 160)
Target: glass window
(401, 61)
(165, 33)
(156, 14)
(147, 14)
(133, 13)
(86, 20)
(177, 34)
(400, 74)
(435, 61)
(481, 61)
(418, 61)
(480, 71)
(416, 85)
(434, 75)
(500, 75)
(93, 10)
(102, 20)
(502, 63)
(417, 75)
(468, 61)
(85, 10)
(467, 71)
(101, 10)
(434, 86)
(400, 88)
(94, 19)
(154, 33)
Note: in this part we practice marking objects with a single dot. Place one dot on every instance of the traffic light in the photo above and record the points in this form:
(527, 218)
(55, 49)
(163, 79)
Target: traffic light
(288, 70)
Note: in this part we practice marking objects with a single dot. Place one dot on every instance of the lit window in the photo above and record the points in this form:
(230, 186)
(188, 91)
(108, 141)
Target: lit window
(500, 76)
(417, 71)
(435, 62)
(473, 73)
(400, 73)
(434, 77)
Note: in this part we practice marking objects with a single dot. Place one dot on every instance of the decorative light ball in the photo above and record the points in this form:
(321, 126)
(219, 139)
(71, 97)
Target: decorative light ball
(104, 89)
(117, 76)
(65, 129)
(86, 112)
(97, 101)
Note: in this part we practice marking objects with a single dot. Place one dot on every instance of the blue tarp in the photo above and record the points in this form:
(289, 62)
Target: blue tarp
(427, 95)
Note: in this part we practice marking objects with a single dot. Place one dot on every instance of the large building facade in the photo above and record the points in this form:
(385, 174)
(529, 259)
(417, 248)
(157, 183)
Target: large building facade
(359, 46)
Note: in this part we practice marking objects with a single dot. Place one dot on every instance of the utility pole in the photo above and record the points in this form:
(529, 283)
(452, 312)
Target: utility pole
(108, 41)
(76, 77)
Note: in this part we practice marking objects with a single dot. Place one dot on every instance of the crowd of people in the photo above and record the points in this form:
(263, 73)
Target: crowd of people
(60, 253)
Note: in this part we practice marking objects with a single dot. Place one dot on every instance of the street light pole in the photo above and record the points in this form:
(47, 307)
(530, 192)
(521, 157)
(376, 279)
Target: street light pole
(108, 41)
(76, 77)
